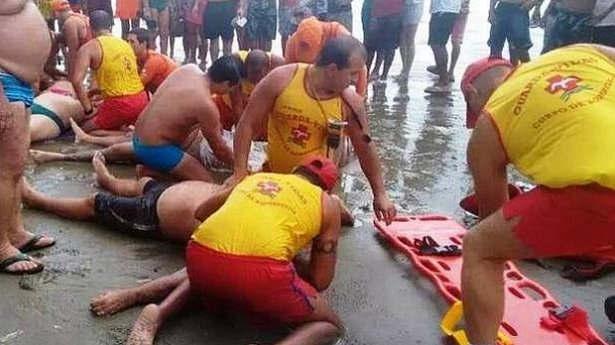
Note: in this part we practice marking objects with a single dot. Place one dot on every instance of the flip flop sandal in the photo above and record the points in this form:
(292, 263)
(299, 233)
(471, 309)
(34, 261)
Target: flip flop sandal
(31, 246)
(581, 272)
(20, 257)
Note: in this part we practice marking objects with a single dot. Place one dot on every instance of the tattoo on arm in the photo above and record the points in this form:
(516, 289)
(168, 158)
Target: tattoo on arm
(325, 247)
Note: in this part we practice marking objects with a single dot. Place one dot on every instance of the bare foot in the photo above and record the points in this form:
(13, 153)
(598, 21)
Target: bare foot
(80, 134)
(102, 173)
(144, 329)
(112, 302)
(40, 157)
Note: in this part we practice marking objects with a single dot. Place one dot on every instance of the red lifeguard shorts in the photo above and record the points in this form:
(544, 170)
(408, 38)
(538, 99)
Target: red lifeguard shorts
(565, 221)
(270, 292)
(116, 112)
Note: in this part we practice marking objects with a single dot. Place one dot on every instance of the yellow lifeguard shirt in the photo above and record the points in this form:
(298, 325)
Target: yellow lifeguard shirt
(267, 215)
(556, 118)
(298, 125)
(118, 74)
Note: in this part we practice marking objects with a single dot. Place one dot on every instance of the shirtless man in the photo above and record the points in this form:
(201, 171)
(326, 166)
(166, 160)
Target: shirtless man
(170, 123)
(301, 104)
(52, 111)
(571, 23)
(21, 64)
(144, 207)
(154, 67)
(75, 28)
(117, 76)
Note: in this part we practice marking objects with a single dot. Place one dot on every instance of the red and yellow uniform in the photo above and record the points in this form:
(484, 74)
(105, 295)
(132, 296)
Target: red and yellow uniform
(243, 252)
(556, 111)
(306, 43)
(556, 124)
(297, 126)
(119, 83)
(156, 69)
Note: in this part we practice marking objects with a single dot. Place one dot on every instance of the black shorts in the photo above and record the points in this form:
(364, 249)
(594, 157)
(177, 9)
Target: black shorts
(440, 27)
(135, 216)
(384, 34)
(512, 24)
(567, 28)
(604, 35)
(217, 19)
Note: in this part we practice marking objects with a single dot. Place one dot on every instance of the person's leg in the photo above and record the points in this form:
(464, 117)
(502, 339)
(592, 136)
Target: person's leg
(153, 316)
(14, 141)
(121, 152)
(227, 46)
(456, 42)
(441, 57)
(190, 169)
(519, 37)
(389, 55)
(379, 60)
(322, 326)
(125, 28)
(164, 18)
(121, 187)
(407, 48)
(214, 49)
(497, 35)
(370, 59)
(81, 135)
(486, 248)
(115, 301)
(70, 208)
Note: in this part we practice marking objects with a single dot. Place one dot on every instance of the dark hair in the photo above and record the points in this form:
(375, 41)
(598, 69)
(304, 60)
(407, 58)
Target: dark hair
(100, 20)
(257, 60)
(338, 51)
(142, 36)
(310, 176)
(226, 68)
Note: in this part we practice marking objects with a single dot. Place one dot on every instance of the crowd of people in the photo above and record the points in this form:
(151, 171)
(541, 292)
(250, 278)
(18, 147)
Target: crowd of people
(244, 236)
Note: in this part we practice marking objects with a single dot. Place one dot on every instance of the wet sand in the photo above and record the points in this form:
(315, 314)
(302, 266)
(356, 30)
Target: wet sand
(381, 299)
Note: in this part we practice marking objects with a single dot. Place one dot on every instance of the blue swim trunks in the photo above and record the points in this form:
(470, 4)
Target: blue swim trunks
(16, 90)
(163, 158)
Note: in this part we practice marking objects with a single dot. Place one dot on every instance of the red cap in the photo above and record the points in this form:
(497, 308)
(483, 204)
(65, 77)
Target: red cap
(60, 5)
(472, 72)
(323, 168)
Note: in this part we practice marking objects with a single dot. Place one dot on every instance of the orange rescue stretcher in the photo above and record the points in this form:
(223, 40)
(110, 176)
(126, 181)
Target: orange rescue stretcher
(532, 316)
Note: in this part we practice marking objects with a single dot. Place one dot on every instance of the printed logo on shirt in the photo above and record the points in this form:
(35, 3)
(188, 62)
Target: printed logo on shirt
(269, 188)
(300, 135)
(568, 85)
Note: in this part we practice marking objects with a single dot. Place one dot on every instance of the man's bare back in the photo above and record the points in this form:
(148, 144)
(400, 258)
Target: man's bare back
(178, 204)
(23, 59)
(174, 110)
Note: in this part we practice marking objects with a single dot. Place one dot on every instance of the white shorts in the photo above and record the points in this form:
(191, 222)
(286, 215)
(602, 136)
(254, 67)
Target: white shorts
(257, 157)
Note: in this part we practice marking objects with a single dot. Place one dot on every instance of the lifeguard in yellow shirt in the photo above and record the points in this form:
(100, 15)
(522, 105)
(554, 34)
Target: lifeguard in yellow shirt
(116, 73)
(305, 109)
(553, 119)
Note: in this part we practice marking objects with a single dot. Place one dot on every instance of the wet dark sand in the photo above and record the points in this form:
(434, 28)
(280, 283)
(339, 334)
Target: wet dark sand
(379, 296)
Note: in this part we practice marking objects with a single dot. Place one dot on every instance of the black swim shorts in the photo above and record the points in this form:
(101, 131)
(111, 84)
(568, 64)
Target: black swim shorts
(217, 19)
(136, 215)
